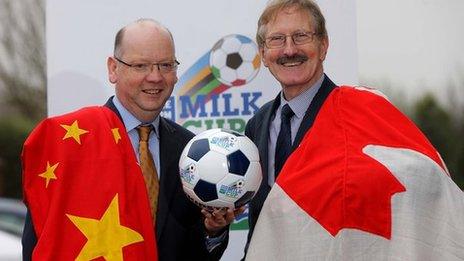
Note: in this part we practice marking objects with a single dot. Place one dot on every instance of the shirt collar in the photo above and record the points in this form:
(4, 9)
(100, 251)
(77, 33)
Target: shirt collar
(300, 104)
(130, 121)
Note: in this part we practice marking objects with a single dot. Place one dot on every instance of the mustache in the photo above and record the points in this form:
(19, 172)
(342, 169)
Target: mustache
(292, 59)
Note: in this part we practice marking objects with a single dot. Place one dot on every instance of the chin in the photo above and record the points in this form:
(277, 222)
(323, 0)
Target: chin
(292, 82)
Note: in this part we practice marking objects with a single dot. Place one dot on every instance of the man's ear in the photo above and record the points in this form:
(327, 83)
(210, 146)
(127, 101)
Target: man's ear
(324, 48)
(111, 64)
(261, 52)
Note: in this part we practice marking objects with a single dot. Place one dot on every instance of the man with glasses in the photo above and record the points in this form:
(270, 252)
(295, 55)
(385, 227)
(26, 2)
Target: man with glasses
(352, 177)
(143, 70)
(293, 43)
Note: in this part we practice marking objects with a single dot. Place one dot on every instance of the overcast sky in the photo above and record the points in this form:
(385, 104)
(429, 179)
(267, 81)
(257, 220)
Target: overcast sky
(413, 44)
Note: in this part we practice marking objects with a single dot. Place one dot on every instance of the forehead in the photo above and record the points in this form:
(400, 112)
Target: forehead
(147, 41)
(290, 19)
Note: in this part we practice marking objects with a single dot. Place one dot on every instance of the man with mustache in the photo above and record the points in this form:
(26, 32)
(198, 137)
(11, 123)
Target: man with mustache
(293, 43)
(356, 179)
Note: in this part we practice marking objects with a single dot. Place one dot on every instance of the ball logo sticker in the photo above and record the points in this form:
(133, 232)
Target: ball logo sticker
(233, 190)
(187, 174)
(225, 142)
(202, 98)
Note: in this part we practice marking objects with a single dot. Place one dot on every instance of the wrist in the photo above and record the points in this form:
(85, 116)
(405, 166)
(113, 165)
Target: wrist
(215, 232)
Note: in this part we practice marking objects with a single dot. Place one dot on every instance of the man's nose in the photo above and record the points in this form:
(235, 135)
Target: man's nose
(155, 75)
(290, 47)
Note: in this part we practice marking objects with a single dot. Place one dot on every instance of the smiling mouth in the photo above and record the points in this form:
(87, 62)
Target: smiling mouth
(152, 91)
(292, 61)
(293, 64)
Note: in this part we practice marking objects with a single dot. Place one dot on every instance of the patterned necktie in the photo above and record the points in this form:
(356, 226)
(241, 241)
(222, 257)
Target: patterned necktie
(148, 169)
(284, 140)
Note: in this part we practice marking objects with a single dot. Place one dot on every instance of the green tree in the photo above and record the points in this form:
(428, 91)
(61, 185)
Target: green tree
(13, 133)
(22, 84)
(444, 130)
(23, 65)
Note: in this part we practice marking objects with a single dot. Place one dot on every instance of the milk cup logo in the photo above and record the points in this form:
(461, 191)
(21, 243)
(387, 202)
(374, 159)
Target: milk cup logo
(225, 142)
(203, 97)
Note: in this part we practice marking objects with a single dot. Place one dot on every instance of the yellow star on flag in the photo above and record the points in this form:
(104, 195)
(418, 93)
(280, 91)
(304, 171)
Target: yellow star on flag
(116, 135)
(73, 131)
(105, 237)
(49, 173)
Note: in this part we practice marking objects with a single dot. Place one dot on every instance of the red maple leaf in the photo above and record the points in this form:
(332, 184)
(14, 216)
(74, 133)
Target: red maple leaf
(330, 177)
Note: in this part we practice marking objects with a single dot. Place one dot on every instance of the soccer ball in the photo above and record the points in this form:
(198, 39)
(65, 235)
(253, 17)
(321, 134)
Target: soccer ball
(234, 60)
(220, 169)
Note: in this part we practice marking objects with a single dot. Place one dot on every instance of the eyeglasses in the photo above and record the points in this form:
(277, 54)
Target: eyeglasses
(146, 68)
(279, 40)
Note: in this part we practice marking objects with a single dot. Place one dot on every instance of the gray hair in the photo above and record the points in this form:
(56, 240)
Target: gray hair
(275, 6)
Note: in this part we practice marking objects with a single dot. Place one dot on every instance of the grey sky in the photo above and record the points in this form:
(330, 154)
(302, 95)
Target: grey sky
(412, 44)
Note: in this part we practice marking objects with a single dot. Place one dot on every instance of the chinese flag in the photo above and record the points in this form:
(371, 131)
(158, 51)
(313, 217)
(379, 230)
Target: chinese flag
(364, 184)
(85, 190)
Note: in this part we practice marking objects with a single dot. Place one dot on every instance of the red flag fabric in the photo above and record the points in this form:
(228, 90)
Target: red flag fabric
(85, 190)
(364, 184)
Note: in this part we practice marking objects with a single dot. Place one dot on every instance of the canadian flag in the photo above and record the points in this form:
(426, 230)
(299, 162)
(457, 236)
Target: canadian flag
(364, 184)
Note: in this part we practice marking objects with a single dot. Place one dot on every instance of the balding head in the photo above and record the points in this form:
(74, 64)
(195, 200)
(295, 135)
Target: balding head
(138, 25)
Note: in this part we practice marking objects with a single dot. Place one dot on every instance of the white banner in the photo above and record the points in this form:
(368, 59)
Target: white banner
(80, 36)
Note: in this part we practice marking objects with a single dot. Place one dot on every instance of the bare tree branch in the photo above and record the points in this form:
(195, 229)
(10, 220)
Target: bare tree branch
(23, 64)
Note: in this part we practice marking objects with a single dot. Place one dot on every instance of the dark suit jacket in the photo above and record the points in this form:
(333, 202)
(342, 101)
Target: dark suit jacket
(257, 129)
(179, 224)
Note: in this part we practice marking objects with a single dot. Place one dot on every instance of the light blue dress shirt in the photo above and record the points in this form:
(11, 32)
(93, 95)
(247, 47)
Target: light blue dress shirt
(131, 123)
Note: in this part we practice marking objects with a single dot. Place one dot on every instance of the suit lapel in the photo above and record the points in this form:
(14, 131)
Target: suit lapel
(263, 140)
(109, 103)
(168, 180)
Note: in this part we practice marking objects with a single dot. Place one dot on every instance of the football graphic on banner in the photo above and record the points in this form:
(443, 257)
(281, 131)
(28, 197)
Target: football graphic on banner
(220, 169)
(235, 60)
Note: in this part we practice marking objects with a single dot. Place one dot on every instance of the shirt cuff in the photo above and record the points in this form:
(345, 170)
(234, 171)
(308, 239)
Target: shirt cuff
(213, 242)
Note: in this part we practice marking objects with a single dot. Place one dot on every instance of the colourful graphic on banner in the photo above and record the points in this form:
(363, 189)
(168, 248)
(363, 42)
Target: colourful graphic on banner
(241, 221)
(233, 61)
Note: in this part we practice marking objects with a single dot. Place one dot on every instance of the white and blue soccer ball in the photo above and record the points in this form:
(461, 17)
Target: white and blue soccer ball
(220, 169)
